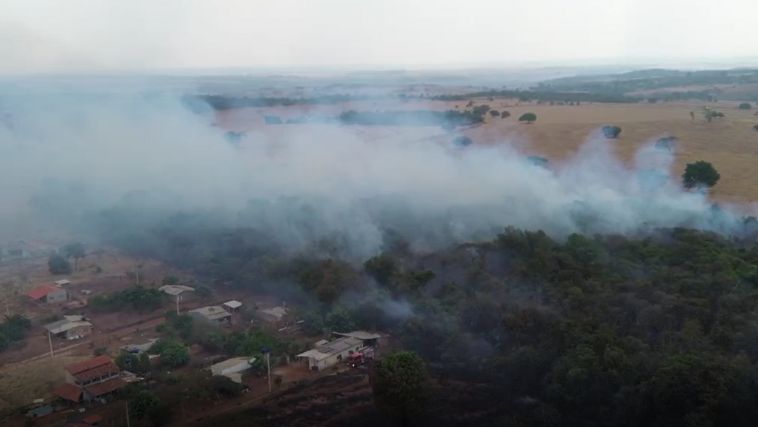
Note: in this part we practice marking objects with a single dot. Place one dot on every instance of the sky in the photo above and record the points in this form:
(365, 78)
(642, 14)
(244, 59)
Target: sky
(53, 36)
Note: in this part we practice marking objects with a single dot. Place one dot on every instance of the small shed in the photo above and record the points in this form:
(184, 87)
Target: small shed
(213, 314)
(232, 306)
(233, 368)
(70, 327)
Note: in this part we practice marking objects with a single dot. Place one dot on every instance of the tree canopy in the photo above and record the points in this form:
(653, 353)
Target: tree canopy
(700, 173)
(528, 118)
(399, 383)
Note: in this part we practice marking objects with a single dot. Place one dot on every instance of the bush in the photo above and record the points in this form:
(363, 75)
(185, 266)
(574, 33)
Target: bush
(745, 106)
(137, 298)
(700, 173)
(611, 132)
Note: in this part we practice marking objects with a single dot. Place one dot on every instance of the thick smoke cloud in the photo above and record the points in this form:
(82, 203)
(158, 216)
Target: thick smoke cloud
(65, 158)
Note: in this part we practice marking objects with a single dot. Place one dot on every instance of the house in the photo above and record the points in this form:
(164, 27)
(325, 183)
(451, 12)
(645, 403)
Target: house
(137, 349)
(233, 368)
(48, 293)
(276, 315)
(329, 354)
(212, 314)
(70, 327)
(175, 290)
(90, 379)
(232, 306)
(369, 339)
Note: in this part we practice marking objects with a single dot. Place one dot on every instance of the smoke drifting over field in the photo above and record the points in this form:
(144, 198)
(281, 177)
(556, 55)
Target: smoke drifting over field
(65, 159)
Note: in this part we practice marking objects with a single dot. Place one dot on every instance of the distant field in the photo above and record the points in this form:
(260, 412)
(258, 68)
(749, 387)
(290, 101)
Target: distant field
(731, 143)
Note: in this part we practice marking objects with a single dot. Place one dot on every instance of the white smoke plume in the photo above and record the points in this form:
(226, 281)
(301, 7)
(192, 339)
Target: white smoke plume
(66, 157)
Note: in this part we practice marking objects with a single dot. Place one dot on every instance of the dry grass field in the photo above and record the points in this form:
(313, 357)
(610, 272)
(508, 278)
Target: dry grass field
(730, 143)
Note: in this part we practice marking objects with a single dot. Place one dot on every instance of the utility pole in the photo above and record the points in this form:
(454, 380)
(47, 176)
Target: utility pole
(50, 341)
(268, 365)
(178, 297)
(267, 352)
(126, 406)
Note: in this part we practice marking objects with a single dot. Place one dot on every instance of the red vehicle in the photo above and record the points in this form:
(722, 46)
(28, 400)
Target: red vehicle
(360, 358)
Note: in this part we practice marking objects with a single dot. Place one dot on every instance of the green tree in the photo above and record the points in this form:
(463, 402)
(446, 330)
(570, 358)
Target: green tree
(173, 354)
(141, 403)
(700, 173)
(382, 268)
(399, 384)
(75, 251)
(528, 118)
(340, 320)
(745, 106)
(58, 265)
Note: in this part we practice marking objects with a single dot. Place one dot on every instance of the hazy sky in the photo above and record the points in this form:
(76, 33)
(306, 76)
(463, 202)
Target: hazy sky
(116, 35)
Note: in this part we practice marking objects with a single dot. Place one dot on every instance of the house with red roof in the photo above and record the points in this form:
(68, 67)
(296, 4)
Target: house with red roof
(48, 293)
(90, 379)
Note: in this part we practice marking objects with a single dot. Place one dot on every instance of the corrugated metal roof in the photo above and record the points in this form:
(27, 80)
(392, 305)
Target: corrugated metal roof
(211, 312)
(361, 335)
(233, 304)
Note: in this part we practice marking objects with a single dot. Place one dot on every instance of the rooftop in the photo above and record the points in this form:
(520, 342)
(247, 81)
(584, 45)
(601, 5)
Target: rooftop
(106, 387)
(42, 291)
(175, 290)
(69, 392)
(331, 348)
(65, 325)
(85, 365)
(361, 335)
(211, 312)
(231, 363)
(233, 304)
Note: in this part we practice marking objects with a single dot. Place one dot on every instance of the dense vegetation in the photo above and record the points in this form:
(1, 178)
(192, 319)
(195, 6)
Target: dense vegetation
(450, 118)
(57, 264)
(13, 329)
(655, 79)
(137, 298)
(591, 330)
